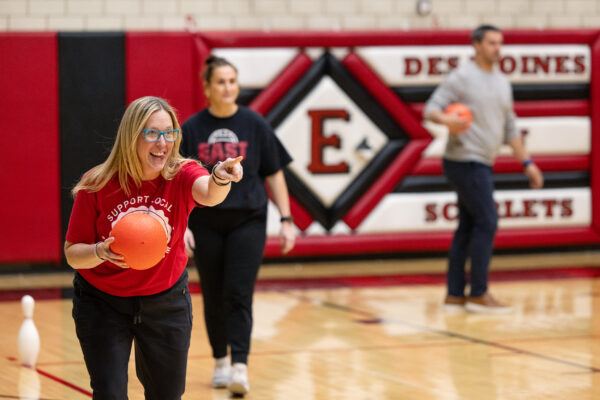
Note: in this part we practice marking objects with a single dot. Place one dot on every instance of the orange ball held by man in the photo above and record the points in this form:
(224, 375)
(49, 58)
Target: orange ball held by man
(461, 110)
(140, 239)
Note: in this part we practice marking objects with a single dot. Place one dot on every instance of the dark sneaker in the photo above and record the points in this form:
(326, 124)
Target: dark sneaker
(486, 304)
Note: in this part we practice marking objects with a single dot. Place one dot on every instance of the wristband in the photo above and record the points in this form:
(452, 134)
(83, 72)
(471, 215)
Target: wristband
(96, 251)
(214, 178)
(224, 182)
(527, 162)
(288, 219)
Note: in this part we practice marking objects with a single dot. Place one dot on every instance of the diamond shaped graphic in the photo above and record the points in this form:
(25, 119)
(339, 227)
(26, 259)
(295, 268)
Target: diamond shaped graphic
(360, 139)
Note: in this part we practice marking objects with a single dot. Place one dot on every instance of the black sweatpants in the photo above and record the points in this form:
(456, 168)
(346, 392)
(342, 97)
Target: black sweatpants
(160, 325)
(229, 251)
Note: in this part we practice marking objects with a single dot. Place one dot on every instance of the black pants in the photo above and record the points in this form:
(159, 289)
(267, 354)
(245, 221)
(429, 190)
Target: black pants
(477, 225)
(229, 251)
(160, 325)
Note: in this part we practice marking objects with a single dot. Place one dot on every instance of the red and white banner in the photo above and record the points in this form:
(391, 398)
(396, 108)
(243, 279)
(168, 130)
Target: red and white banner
(427, 65)
(366, 175)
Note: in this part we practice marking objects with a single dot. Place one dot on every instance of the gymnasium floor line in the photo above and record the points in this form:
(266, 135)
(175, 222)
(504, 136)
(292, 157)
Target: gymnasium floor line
(65, 292)
(431, 344)
(290, 350)
(443, 332)
(48, 375)
(64, 382)
(13, 277)
(354, 314)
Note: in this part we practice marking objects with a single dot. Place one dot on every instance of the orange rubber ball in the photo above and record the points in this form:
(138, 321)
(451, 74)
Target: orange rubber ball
(461, 110)
(140, 239)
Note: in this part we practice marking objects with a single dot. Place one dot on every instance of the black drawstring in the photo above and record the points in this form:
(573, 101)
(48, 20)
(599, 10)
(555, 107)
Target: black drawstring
(137, 315)
(137, 309)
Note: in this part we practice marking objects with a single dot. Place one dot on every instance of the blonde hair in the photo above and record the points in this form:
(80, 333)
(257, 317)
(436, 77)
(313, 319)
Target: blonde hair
(123, 160)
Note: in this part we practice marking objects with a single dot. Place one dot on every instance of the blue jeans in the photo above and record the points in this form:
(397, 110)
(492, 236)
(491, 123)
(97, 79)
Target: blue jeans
(477, 225)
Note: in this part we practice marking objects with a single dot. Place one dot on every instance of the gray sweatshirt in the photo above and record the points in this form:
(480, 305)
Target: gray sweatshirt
(489, 97)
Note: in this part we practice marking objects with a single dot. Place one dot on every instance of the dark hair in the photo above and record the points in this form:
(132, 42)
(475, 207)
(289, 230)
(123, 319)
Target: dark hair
(213, 62)
(479, 32)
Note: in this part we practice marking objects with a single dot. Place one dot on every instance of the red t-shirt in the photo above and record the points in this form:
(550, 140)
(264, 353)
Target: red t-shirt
(95, 213)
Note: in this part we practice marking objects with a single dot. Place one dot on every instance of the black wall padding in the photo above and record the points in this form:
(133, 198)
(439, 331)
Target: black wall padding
(246, 96)
(552, 180)
(521, 92)
(91, 101)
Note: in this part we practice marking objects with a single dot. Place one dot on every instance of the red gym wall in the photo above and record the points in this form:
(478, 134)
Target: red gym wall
(366, 177)
(29, 173)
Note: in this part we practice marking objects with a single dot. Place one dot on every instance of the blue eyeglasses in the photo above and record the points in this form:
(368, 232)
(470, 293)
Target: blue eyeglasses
(153, 135)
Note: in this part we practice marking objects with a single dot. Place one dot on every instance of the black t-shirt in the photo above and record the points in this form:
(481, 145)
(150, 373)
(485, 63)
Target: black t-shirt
(246, 133)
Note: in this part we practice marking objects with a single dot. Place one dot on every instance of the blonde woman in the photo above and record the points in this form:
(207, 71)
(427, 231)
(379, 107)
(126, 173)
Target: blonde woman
(115, 306)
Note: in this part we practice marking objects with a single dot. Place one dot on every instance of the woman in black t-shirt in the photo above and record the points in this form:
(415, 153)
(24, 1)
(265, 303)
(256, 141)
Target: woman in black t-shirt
(229, 239)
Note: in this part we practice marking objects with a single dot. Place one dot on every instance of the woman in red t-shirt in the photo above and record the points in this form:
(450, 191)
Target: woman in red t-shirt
(113, 304)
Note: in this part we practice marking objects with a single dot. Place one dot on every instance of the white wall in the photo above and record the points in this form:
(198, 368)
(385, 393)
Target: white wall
(93, 15)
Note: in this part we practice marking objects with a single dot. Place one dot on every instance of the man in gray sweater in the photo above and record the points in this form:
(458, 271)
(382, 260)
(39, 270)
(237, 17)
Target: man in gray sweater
(468, 159)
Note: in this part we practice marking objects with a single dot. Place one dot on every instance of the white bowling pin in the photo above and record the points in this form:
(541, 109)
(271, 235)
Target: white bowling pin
(29, 339)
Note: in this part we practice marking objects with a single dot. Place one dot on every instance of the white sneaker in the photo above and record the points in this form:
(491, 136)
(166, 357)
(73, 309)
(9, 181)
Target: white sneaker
(222, 372)
(239, 379)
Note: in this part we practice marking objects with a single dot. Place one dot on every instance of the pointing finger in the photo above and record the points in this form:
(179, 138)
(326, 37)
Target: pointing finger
(231, 163)
(235, 161)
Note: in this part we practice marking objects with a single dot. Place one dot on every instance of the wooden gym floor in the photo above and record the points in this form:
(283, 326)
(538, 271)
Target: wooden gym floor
(360, 330)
